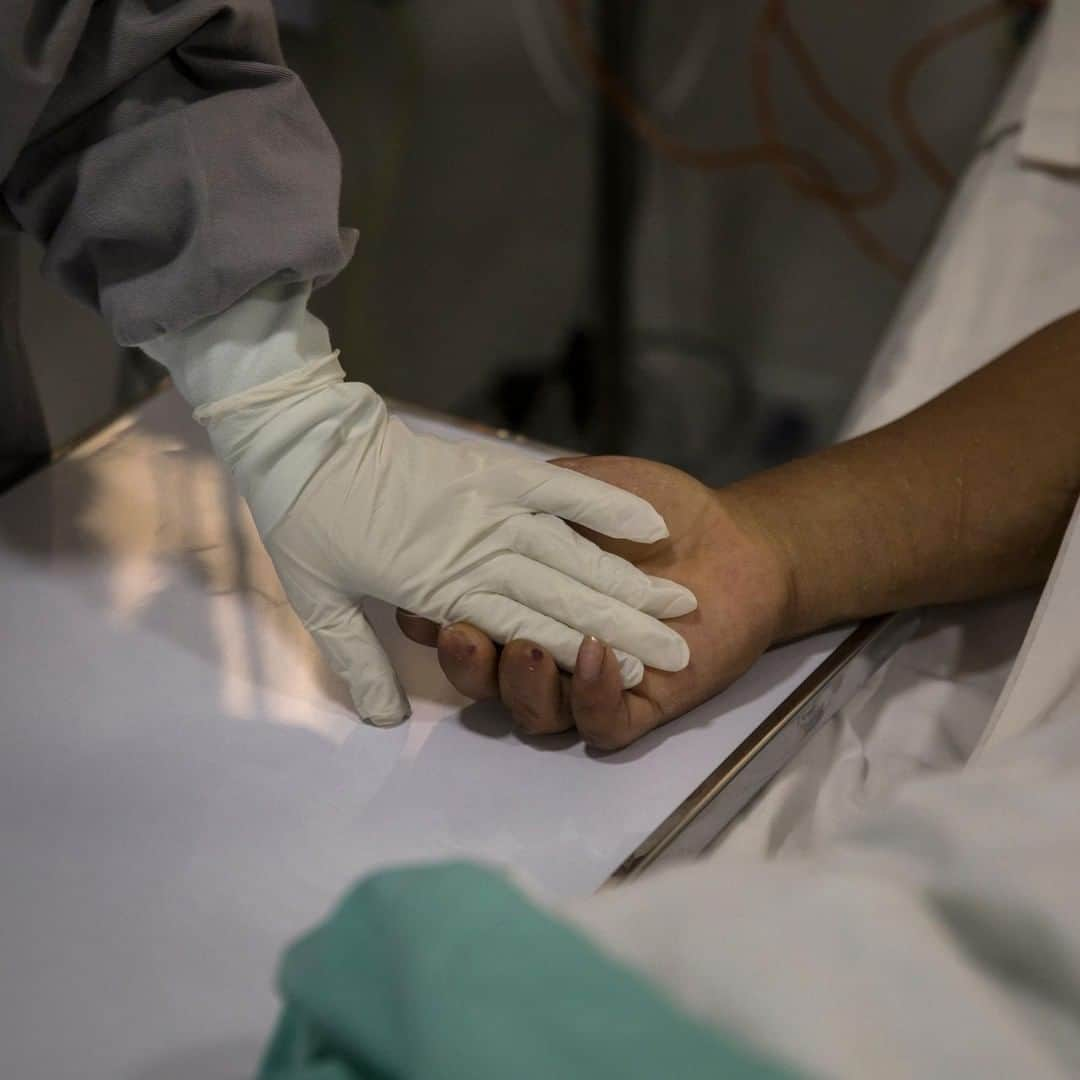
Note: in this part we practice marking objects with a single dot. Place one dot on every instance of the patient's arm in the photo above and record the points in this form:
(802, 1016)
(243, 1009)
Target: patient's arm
(965, 497)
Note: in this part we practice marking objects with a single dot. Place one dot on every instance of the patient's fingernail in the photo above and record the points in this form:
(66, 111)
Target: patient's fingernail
(590, 659)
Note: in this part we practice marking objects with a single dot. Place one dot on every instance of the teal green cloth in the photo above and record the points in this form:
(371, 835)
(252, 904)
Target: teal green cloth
(449, 971)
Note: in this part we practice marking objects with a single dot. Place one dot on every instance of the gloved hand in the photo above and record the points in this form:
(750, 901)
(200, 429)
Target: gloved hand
(350, 503)
(740, 568)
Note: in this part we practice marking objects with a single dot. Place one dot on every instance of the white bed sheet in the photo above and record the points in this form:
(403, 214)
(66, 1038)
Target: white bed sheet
(183, 787)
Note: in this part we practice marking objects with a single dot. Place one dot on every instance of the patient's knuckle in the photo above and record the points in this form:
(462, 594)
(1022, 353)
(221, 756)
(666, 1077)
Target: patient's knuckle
(595, 725)
(527, 720)
(601, 736)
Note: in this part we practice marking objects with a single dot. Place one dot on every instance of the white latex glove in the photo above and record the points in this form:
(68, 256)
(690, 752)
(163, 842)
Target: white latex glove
(350, 503)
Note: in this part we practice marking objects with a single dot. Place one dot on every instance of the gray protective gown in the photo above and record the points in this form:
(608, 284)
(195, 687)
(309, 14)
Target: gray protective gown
(163, 154)
(165, 157)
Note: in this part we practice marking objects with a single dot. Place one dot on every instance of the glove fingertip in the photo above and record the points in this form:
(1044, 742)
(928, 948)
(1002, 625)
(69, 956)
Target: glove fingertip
(645, 528)
(386, 721)
(631, 669)
(600, 506)
(625, 516)
(666, 650)
(668, 599)
(382, 706)
(680, 654)
(679, 601)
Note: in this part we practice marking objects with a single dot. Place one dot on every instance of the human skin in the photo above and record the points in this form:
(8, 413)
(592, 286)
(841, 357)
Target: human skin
(963, 498)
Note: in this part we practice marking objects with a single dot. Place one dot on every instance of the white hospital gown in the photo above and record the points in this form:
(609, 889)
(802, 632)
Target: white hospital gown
(1005, 263)
(935, 933)
(921, 918)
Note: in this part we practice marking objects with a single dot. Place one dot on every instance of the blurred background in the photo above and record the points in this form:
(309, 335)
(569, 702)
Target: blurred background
(550, 242)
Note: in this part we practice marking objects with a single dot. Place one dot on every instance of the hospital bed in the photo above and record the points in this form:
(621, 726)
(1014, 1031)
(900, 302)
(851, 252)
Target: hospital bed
(183, 786)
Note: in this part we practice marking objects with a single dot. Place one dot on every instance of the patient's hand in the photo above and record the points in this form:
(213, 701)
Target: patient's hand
(967, 496)
(716, 548)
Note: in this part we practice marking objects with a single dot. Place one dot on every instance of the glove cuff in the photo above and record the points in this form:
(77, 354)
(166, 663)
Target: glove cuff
(275, 436)
(293, 385)
(262, 378)
(264, 335)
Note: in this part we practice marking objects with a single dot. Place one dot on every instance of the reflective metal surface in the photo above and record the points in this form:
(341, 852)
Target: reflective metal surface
(183, 787)
(698, 823)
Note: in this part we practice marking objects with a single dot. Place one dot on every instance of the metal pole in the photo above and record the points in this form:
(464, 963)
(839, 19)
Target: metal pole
(614, 184)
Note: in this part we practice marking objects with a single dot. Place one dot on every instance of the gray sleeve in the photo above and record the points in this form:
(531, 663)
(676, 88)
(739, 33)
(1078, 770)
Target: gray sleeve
(176, 164)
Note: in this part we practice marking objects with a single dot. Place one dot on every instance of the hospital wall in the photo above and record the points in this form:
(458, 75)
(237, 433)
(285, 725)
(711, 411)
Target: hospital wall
(470, 185)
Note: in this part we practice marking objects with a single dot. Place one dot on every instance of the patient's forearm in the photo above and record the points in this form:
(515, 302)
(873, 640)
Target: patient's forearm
(965, 497)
